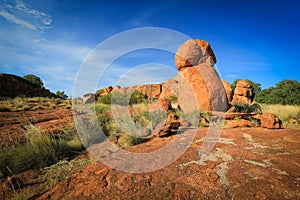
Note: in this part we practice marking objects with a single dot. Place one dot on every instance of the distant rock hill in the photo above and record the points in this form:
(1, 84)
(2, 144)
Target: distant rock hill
(16, 86)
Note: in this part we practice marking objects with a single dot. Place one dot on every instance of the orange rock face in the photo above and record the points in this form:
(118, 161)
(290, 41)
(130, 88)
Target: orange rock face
(243, 92)
(194, 52)
(201, 89)
(228, 90)
(270, 120)
(163, 105)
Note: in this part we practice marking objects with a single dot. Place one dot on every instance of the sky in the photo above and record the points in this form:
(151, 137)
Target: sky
(54, 39)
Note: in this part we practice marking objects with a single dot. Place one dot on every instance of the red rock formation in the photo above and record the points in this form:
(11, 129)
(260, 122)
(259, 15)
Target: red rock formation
(228, 90)
(201, 89)
(89, 98)
(161, 105)
(200, 85)
(15, 86)
(194, 52)
(152, 91)
(270, 120)
(242, 92)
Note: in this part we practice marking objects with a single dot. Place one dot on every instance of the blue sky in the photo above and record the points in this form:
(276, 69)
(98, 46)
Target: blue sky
(256, 40)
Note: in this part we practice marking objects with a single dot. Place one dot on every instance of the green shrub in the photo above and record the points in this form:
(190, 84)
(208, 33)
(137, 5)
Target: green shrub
(173, 98)
(90, 131)
(247, 108)
(106, 99)
(129, 140)
(195, 116)
(124, 98)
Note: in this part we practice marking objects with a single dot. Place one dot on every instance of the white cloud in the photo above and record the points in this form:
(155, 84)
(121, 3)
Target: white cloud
(12, 18)
(21, 14)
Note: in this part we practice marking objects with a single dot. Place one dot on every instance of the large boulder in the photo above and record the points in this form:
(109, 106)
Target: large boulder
(270, 120)
(194, 52)
(228, 90)
(243, 92)
(201, 89)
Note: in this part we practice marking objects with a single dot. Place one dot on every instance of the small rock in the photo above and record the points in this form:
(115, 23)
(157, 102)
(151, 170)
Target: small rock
(146, 132)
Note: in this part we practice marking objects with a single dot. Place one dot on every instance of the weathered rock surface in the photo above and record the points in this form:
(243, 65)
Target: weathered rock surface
(194, 52)
(270, 120)
(171, 126)
(201, 89)
(151, 91)
(170, 88)
(89, 98)
(228, 90)
(15, 86)
(246, 163)
(13, 124)
(161, 106)
(243, 92)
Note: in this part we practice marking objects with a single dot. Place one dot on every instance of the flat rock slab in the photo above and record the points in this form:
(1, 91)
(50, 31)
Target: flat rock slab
(13, 124)
(246, 163)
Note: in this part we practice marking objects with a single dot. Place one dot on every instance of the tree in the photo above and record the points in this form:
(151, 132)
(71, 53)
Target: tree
(61, 94)
(34, 79)
(286, 92)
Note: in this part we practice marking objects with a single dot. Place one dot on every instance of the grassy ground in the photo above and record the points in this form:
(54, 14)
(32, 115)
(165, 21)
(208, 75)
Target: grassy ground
(35, 103)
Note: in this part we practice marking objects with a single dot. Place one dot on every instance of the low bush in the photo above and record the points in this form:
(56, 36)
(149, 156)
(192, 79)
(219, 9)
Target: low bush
(247, 108)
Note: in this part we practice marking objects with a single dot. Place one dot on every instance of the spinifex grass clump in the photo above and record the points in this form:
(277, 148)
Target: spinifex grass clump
(39, 150)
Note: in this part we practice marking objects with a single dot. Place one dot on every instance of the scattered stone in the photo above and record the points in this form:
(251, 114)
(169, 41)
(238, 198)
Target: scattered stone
(293, 121)
(270, 120)
(239, 123)
(171, 126)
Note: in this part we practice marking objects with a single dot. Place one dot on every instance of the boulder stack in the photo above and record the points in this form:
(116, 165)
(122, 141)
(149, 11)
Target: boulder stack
(243, 92)
(200, 86)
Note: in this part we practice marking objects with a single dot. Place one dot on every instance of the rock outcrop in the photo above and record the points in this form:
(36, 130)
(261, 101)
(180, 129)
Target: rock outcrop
(200, 85)
(15, 86)
(242, 92)
(228, 90)
(89, 98)
(161, 105)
